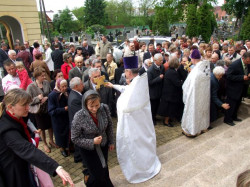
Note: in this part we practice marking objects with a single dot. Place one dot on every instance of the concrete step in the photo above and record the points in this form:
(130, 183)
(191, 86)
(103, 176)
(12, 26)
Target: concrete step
(211, 159)
(214, 158)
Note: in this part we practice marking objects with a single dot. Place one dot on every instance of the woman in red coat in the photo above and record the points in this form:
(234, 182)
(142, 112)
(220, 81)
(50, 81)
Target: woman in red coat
(67, 66)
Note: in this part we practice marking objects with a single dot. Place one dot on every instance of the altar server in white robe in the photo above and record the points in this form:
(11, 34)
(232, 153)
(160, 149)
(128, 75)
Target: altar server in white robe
(135, 139)
(196, 97)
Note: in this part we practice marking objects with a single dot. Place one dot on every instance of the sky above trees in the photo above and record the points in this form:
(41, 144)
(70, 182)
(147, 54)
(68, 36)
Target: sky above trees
(56, 5)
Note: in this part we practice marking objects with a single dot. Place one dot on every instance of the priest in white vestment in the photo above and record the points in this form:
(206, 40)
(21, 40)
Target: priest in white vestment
(196, 97)
(135, 138)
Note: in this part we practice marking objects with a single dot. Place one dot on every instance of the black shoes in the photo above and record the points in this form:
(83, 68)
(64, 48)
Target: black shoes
(210, 127)
(77, 160)
(237, 119)
(230, 123)
(64, 153)
(168, 124)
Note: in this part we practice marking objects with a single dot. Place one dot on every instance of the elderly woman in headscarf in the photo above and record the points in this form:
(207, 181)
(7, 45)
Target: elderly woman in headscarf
(92, 133)
(58, 110)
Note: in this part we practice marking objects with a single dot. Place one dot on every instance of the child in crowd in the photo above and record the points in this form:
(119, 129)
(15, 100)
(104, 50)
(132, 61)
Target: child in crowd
(23, 75)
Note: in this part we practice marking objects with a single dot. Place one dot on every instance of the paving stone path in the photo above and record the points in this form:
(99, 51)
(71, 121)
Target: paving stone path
(163, 135)
(212, 159)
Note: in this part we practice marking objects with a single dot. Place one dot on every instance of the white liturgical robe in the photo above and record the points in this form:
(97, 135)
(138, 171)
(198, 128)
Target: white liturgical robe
(196, 97)
(135, 139)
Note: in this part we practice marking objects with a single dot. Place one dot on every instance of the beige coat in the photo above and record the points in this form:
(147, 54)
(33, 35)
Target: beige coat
(34, 91)
(105, 48)
(111, 69)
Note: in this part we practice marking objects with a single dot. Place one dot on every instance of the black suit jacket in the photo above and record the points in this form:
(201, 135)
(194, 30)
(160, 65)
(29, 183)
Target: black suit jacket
(172, 86)
(142, 70)
(146, 55)
(74, 104)
(3, 56)
(76, 73)
(214, 91)
(118, 73)
(57, 57)
(235, 80)
(215, 101)
(90, 50)
(154, 81)
(182, 72)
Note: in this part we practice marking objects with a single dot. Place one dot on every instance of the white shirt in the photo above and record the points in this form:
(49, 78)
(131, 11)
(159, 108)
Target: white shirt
(49, 60)
(94, 85)
(10, 82)
(77, 92)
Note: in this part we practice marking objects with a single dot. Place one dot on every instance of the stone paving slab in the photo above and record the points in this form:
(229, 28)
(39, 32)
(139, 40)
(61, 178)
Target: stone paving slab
(213, 159)
(163, 135)
(174, 151)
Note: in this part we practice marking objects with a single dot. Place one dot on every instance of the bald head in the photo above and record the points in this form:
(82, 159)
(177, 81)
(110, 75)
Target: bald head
(84, 43)
(214, 58)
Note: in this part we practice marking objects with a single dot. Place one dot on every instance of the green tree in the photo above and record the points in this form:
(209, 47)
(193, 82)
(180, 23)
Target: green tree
(192, 20)
(245, 33)
(175, 10)
(160, 23)
(79, 14)
(64, 23)
(137, 21)
(145, 6)
(237, 8)
(95, 13)
(213, 22)
(205, 21)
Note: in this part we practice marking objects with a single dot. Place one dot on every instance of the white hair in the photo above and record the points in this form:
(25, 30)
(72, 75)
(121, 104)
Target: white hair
(11, 52)
(92, 70)
(63, 82)
(78, 59)
(157, 56)
(146, 61)
(74, 82)
(218, 70)
(95, 61)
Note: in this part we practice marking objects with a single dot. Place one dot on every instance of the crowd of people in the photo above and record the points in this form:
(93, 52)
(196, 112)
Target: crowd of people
(61, 88)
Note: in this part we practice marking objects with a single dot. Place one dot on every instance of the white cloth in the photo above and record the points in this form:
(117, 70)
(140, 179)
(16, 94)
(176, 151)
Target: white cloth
(135, 139)
(196, 97)
(48, 59)
(10, 82)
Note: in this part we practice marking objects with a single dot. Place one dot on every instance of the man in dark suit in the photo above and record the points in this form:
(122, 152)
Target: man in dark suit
(118, 73)
(155, 81)
(105, 92)
(74, 105)
(78, 70)
(12, 57)
(57, 42)
(148, 54)
(216, 102)
(97, 64)
(3, 54)
(236, 75)
(57, 57)
(87, 48)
